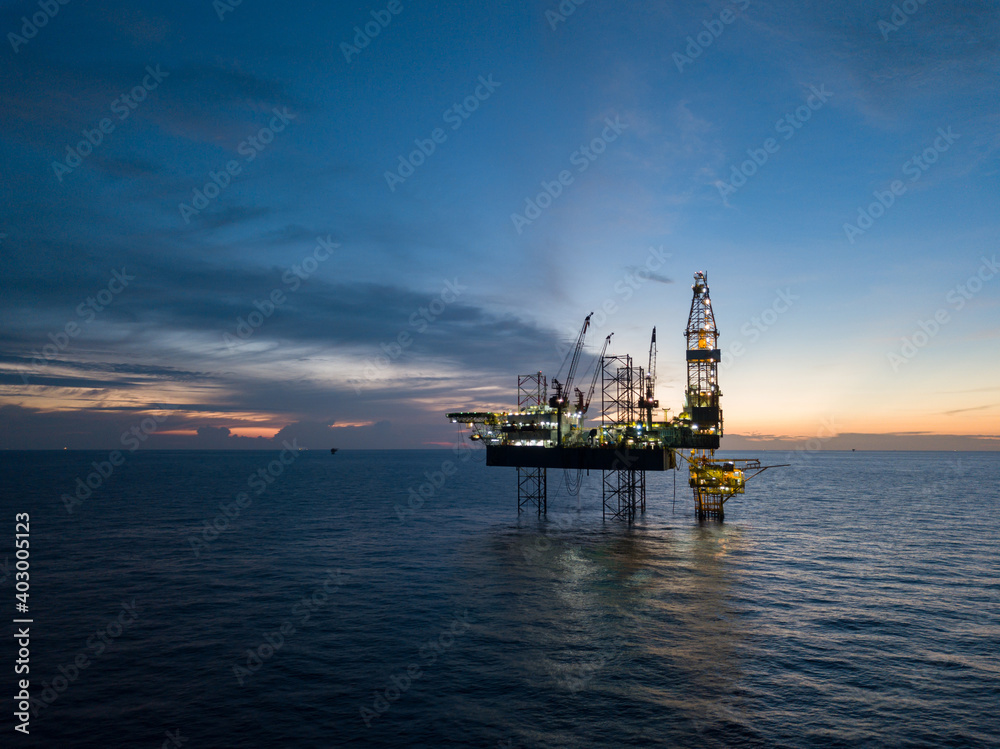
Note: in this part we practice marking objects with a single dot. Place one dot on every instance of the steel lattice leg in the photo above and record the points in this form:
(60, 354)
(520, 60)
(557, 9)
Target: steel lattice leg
(532, 489)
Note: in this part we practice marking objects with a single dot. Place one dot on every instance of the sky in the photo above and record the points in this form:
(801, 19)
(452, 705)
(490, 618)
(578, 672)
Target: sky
(227, 224)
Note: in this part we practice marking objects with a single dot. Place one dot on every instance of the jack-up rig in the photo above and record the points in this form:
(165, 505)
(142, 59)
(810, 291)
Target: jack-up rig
(547, 430)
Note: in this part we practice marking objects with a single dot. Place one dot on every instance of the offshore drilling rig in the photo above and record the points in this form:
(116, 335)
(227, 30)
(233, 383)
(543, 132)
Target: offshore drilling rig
(548, 429)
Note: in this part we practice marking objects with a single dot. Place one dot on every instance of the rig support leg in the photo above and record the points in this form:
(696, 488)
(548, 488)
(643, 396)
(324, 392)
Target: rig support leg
(532, 489)
(707, 504)
(624, 493)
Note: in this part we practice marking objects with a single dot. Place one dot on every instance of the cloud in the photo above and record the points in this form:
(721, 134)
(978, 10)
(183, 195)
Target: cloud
(647, 274)
(964, 410)
(88, 429)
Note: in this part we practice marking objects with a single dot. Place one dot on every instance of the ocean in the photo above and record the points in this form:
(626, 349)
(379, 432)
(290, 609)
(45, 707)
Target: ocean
(396, 599)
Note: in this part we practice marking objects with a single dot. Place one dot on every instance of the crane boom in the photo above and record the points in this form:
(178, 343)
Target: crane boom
(651, 369)
(649, 402)
(597, 372)
(576, 353)
(563, 388)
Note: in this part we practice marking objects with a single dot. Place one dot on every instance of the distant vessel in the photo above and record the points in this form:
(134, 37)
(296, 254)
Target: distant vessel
(333, 450)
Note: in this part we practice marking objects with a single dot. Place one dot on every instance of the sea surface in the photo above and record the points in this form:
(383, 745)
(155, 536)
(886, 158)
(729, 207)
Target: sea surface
(848, 600)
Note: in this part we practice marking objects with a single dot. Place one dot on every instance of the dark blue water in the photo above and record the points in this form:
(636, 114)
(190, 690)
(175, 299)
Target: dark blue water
(850, 600)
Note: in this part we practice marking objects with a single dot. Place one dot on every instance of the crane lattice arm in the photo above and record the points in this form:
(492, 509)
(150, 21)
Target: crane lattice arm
(597, 373)
(564, 387)
(576, 352)
(649, 402)
(651, 369)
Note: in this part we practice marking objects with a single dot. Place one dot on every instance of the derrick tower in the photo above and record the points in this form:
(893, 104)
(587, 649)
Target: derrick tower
(713, 482)
(703, 358)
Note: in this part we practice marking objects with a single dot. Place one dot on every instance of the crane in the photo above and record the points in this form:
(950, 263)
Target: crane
(649, 402)
(585, 404)
(558, 400)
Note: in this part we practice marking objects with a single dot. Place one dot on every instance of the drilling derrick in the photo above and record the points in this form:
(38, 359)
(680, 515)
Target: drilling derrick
(703, 358)
(713, 482)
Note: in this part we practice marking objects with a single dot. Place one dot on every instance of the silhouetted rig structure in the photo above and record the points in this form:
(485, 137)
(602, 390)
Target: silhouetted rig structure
(548, 431)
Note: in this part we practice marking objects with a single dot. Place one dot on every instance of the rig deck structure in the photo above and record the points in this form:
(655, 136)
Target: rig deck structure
(548, 429)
